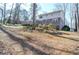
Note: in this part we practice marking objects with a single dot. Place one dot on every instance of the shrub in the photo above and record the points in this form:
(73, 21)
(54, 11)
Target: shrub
(25, 28)
(51, 26)
(66, 28)
(26, 25)
(45, 27)
(39, 28)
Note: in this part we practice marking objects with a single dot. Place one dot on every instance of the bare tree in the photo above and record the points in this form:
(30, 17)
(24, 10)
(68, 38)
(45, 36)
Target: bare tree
(16, 13)
(63, 7)
(71, 16)
(25, 15)
(4, 13)
(76, 17)
(34, 10)
(9, 20)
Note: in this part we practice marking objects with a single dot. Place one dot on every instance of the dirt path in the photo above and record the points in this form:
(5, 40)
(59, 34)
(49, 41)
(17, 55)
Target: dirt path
(17, 45)
(3, 49)
(11, 46)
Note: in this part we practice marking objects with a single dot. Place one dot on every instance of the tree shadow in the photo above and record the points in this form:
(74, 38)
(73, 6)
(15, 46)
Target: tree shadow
(24, 44)
(62, 50)
(60, 33)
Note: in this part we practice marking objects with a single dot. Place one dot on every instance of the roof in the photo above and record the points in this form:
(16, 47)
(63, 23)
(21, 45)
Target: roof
(51, 12)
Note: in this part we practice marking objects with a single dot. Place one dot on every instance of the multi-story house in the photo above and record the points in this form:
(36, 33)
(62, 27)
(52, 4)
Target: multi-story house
(56, 18)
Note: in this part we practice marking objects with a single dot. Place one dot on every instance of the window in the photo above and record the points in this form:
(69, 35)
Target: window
(59, 18)
(40, 16)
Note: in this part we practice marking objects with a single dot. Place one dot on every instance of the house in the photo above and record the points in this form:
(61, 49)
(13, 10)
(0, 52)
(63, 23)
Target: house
(56, 18)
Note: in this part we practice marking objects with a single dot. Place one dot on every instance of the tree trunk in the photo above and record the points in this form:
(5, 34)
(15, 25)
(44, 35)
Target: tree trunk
(9, 20)
(16, 14)
(34, 15)
(76, 18)
(4, 13)
(1, 15)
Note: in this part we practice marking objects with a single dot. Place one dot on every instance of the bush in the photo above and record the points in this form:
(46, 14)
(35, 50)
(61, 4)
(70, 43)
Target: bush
(26, 25)
(45, 27)
(25, 28)
(51, 27)
(39, 27)
(66, 28)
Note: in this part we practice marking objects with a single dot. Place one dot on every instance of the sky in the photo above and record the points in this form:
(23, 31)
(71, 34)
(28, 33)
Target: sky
(46, 7)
